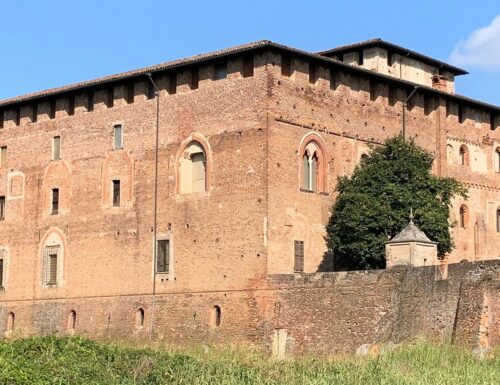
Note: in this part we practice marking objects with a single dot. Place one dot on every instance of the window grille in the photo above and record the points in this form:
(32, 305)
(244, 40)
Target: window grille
(116, 193)
(51, 259)
(299, 256)
(55, 201)
(163, 256)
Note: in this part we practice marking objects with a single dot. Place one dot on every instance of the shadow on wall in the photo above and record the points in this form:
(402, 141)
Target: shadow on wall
(331, 263)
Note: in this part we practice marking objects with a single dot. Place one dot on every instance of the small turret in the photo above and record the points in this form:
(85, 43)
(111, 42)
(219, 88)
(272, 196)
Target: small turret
(411, 247)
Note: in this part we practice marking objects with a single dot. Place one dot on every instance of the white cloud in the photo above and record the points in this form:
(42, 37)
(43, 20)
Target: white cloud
(480, 49)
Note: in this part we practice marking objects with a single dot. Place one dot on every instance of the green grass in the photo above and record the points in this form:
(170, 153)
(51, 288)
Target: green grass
(53, 360)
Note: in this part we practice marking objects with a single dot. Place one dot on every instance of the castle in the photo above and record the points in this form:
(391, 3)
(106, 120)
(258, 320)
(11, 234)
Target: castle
(186, 202)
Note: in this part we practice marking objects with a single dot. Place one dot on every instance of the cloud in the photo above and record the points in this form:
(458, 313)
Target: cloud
(480, 49)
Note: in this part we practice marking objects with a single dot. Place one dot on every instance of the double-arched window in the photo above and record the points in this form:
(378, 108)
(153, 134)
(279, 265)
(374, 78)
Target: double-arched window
(312, 167)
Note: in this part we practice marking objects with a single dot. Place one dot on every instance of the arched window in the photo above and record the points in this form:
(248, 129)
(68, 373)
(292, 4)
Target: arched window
(71, 322)
(464, 155)
(498, 220)
(497, 159)
(312, 167)
(464, 216)
(9, 323)
(193, 169)
(217, 317)
(139, 318)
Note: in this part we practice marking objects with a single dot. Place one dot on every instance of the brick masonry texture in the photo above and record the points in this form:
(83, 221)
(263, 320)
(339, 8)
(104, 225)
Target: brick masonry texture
(232, 245)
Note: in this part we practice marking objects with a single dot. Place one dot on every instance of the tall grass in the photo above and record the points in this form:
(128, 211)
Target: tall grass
(52, 360)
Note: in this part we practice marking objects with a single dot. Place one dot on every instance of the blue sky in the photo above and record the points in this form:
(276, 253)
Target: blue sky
(49, 43)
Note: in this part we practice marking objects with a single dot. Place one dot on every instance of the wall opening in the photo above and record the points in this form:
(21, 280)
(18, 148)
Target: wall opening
(193, 169)
(464, 216)
(139, 318)
(498, 220)
(464, 155)
(116, 193)
(55, 201)
(2, 208)
(217, 316)
(71, 321)
(10, 322)
(3, 155)
(1, 271)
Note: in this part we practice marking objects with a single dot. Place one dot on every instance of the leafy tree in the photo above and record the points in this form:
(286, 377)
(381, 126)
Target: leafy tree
(373, 205)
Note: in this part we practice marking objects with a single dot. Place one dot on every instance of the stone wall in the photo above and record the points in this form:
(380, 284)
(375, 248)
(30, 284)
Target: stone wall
(322, 313)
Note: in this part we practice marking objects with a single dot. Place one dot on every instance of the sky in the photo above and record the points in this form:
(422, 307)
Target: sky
(50, 43)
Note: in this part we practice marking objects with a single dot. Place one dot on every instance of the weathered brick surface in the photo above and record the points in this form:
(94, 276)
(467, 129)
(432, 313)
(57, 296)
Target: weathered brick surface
(228, 241)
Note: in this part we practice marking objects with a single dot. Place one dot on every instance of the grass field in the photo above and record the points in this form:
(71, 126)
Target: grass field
(53, 360)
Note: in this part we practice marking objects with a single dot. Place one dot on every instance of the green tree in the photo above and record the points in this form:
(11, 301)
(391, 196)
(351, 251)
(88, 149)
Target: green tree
(373, 205)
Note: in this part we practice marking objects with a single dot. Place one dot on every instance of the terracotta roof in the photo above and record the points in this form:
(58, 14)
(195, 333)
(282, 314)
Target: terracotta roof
(261, 44)
(394, 48)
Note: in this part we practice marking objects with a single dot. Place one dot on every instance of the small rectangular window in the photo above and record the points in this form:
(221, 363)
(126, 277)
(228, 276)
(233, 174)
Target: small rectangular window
(299, 256)
(55, 201)
(248, 66)
(3, 155)
(56, 148)
(195, 78)
(163, 256)
(52, 269)
(118, 137)
(2, 208)
(312, 73)
(116, 193)
(1, 272)
(286, 66)
(1, 119)
(220, 71)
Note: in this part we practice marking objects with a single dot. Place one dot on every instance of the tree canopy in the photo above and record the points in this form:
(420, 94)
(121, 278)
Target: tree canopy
(374, 203)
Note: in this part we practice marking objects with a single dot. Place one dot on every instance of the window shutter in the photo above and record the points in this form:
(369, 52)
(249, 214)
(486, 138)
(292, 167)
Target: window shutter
(52, 269)
(299, 256)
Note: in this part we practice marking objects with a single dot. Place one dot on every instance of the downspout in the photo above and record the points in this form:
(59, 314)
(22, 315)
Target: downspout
(415, 88)
(155, 204)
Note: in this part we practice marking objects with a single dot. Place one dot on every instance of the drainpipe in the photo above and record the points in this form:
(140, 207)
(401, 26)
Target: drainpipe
(415, 88)
(155, 204)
